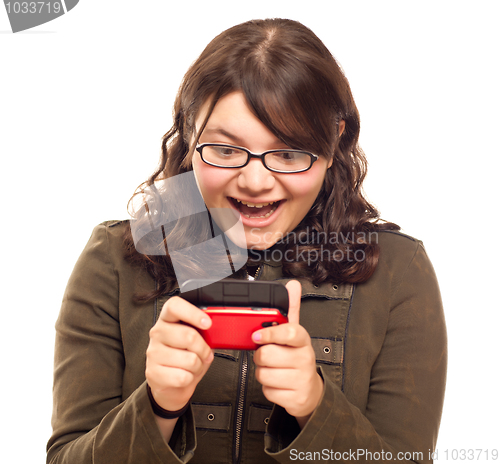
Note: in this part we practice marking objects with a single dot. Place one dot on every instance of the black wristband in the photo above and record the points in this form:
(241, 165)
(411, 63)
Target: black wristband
(163, 413)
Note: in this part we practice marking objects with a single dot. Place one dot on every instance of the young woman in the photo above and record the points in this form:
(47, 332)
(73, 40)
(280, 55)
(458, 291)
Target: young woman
(266, 121)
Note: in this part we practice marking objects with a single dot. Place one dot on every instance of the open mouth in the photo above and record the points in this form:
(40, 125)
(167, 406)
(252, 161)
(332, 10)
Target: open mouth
(255, 210)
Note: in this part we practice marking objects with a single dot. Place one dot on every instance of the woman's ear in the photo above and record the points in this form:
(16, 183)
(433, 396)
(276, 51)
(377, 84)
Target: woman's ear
(341, 127)
(341, 131)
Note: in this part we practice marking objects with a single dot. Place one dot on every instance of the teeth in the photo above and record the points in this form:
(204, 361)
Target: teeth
(262, 217)
(259, 205)
(255, 205)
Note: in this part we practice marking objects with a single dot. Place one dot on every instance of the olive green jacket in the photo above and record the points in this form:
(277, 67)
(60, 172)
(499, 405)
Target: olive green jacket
(380, 348)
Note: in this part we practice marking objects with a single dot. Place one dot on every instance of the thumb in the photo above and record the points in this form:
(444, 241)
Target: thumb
(294, 292)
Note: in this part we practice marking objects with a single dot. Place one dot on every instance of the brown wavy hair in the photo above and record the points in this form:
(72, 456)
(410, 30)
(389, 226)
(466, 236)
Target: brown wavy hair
(296, 88)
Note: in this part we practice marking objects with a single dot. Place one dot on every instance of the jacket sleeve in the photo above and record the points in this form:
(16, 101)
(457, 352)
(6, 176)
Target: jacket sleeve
(91, 421)
(406, 391)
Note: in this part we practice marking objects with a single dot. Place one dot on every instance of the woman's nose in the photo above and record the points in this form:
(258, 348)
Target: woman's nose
(255, 178)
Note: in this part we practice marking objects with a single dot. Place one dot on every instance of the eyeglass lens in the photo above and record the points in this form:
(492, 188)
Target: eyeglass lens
(229, 156)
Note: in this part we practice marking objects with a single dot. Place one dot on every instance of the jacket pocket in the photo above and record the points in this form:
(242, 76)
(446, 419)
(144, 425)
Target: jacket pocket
(328, 351)
(215, 417)
(258, 417)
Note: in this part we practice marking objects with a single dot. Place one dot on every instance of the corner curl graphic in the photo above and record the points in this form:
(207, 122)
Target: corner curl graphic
(28, 14)
(172, 218)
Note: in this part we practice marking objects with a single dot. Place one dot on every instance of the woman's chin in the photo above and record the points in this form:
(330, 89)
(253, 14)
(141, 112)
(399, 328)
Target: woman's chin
(244, 241)
(262, 241)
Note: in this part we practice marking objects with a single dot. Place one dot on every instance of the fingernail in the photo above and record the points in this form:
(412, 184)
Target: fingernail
(205, 322)
(256, 336)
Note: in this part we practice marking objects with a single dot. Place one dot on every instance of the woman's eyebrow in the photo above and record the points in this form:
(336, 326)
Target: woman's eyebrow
(220, 131)
(234, 138)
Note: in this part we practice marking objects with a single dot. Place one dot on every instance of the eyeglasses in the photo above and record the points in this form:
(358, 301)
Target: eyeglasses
(230, 156)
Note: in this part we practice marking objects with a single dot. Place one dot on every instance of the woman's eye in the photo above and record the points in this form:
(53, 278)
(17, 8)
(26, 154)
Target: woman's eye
(287, 156)
(225, 151)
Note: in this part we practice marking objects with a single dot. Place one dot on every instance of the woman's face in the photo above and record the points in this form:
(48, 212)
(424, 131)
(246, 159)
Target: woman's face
(276, 202)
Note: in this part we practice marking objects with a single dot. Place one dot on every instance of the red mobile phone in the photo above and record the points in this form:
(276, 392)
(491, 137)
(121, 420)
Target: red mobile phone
(238, 308)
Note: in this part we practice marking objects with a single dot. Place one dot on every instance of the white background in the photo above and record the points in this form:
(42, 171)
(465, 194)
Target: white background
(85, 99)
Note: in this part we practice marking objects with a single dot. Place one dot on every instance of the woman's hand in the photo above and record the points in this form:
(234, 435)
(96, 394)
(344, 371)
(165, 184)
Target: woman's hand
(177, 357)
(286, 363)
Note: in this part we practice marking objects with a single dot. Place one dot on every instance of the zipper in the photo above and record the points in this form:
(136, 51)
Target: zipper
(249, 277)
(242, 390)
(257, 273)
(240, 407)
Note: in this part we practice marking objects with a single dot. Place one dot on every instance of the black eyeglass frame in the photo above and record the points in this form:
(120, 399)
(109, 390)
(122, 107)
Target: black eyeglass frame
(261, 156)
